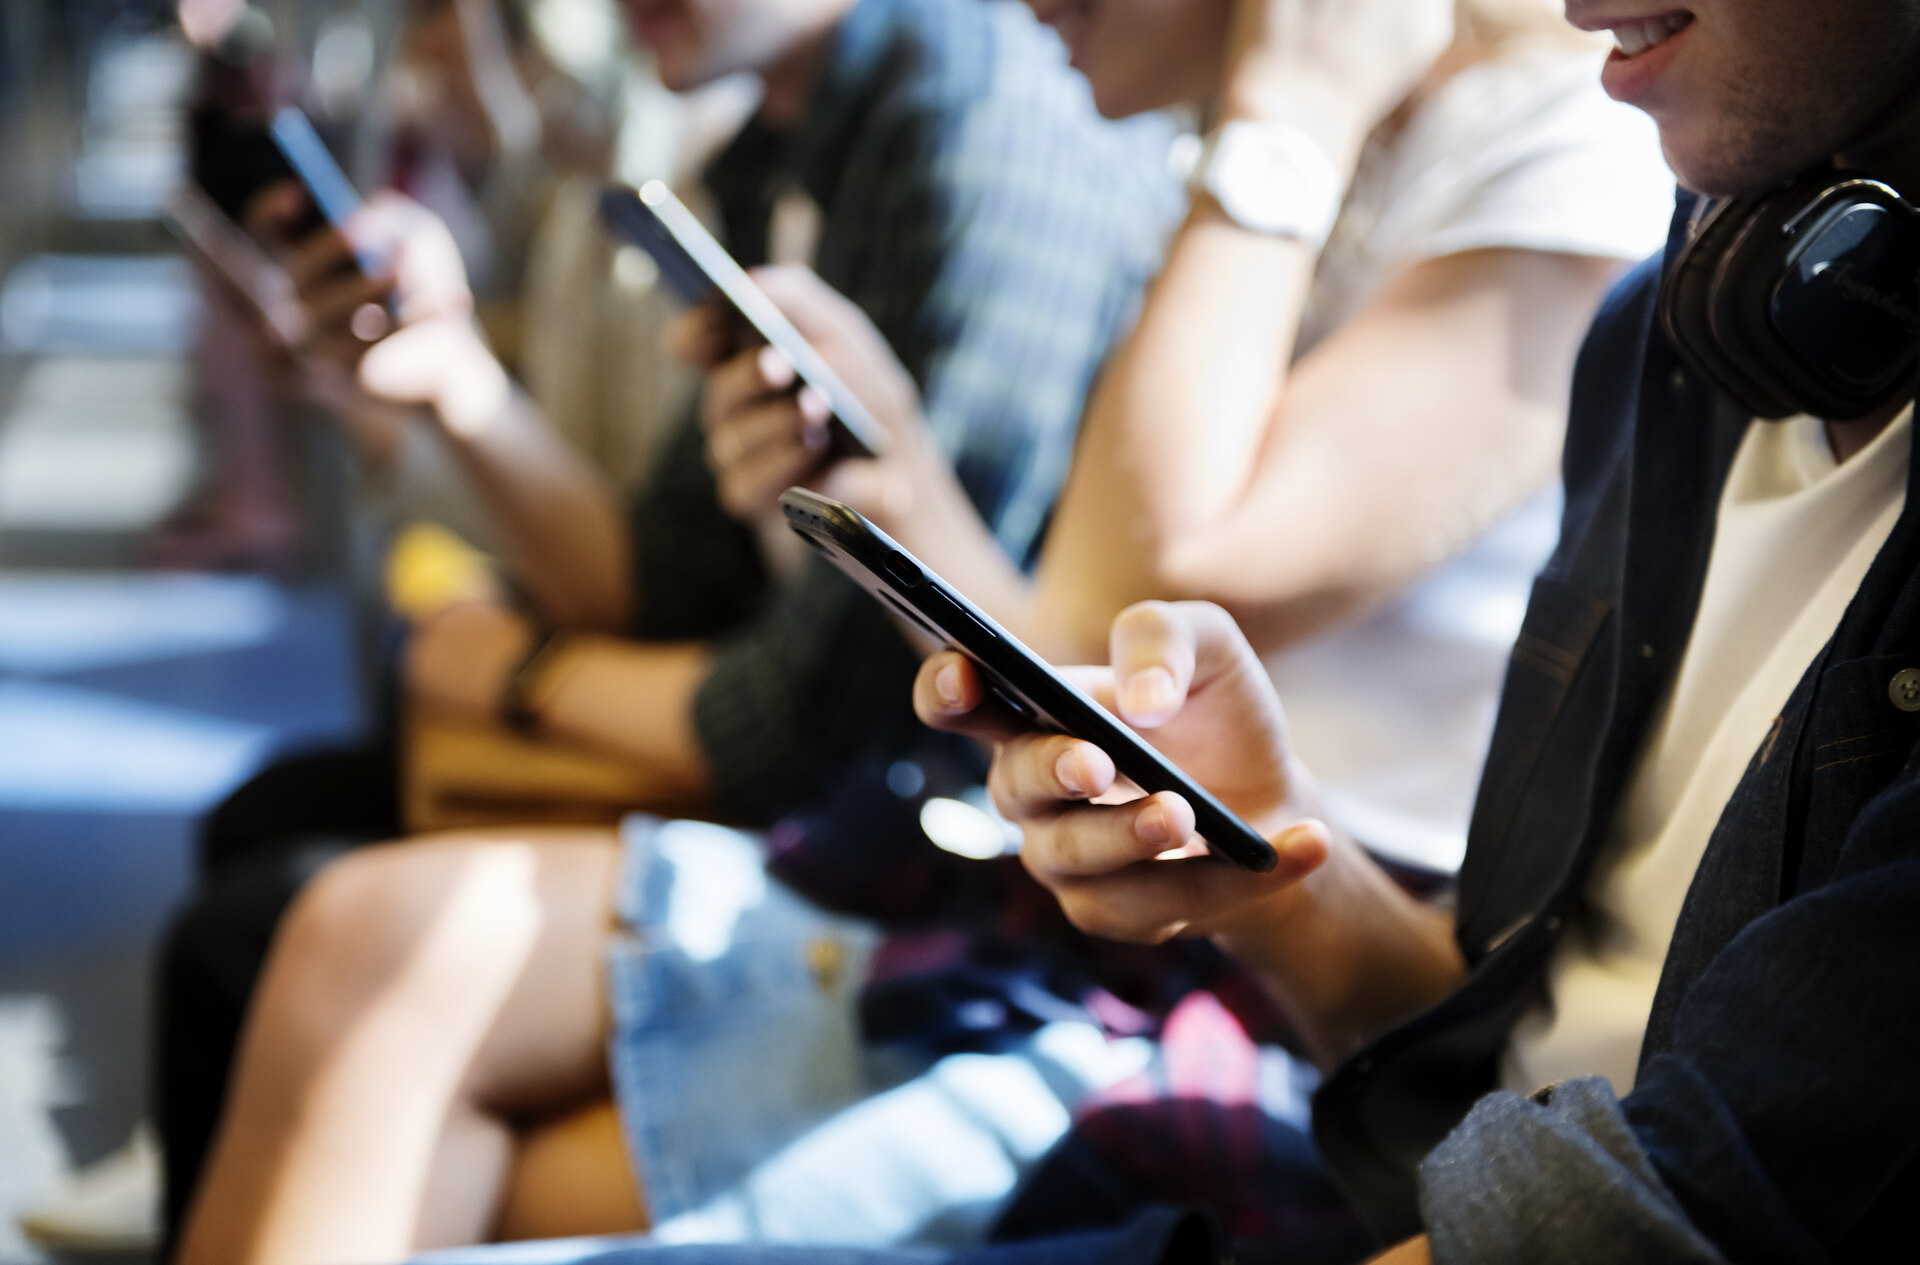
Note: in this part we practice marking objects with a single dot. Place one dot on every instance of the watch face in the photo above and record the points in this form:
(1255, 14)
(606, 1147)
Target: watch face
(1259, 173)
(1263, 181)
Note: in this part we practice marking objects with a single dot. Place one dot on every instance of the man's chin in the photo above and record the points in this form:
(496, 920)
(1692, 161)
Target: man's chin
(1739, 168)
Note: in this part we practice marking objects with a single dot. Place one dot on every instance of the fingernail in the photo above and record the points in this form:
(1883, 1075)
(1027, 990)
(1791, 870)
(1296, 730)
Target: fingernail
(1152, 826)
(1151, 692)
(1301, 836)
(1067, 769)
(813, 405)
(774, 367)
(946, 683)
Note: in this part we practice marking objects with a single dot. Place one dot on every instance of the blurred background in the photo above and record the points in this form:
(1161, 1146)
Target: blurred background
(139, 684)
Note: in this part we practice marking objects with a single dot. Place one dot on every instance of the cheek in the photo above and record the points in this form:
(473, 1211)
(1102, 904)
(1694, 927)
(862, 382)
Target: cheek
(1141, 57)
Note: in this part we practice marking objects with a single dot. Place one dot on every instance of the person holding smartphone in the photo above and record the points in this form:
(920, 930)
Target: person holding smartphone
(1668, 1017)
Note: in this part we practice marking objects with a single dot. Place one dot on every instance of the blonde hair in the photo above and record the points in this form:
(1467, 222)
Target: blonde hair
(1498, 22)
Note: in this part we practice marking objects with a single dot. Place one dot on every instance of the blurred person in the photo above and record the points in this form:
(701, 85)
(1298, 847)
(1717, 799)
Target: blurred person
(1401, 219)
(965, 188)
(589, 330)
(454, 122)
(483, 154)
(1669, 1015)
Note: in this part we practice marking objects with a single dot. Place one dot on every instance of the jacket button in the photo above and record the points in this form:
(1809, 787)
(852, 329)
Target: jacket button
(1904, 689)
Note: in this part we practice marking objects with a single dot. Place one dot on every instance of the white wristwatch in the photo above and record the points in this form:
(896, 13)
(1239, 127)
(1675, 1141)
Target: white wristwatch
(1271, 178)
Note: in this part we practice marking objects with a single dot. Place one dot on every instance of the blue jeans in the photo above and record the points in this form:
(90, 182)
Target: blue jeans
(752, 1109)
(1157, 1236)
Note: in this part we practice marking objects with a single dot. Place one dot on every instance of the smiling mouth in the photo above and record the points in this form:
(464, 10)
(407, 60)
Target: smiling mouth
(1634, 38)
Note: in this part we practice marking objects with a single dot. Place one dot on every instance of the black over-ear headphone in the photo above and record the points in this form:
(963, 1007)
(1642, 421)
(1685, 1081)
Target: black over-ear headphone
(1804, 300)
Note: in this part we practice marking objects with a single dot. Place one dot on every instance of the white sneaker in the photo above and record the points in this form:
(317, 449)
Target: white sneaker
(111, 1205)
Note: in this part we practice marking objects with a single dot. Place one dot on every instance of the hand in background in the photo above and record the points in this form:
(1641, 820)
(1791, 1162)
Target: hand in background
(387, 316)
(763, 436)
(1335, 67)
(1125, 866)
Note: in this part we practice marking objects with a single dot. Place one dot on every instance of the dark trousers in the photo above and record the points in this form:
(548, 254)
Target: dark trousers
(258, 850)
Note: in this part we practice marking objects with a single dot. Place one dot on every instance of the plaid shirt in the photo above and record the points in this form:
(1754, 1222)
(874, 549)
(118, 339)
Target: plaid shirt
(998, 233)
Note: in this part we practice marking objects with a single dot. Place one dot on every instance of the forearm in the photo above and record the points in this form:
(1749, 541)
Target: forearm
(554, 517)
(1347, 953)
(1415, 1251)
(1394, 444)
(486, 662)
(632, 699)
(1173, 429)
(929, 513)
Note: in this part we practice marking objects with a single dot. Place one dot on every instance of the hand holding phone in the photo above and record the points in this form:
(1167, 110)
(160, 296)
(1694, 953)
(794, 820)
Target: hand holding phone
(225, 252)
(1021, 679)
(701, 272)
(237, 159)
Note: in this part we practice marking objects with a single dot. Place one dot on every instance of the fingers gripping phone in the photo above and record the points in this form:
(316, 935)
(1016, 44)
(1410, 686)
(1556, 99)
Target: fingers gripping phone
(227, 252)
(1021, 679)
(701, 271)
(237, 161)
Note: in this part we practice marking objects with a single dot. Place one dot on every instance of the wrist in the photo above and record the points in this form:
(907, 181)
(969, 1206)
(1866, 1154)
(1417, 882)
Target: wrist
(524, 690)
(474, 390)
(1262, 91)
(893, 491)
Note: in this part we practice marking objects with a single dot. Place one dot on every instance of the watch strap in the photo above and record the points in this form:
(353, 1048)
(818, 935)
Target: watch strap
(517, 708)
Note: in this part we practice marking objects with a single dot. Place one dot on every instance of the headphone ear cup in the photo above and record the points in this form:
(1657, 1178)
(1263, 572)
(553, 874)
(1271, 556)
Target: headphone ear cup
(1696, 308)
(1805, 300)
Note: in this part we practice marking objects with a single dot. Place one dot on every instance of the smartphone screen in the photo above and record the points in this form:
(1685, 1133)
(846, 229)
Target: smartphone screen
(701, 271)
(1023, 680)
(234, 160)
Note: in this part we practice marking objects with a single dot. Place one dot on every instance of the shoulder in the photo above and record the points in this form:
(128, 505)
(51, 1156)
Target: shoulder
(1523, 150)
(1524, 96)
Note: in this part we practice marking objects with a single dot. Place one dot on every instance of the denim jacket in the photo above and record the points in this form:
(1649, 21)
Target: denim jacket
(1776, 1114)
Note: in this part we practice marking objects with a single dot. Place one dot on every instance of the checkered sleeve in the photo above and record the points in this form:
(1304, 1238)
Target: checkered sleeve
(1021, 259)
(698, 572)
(1000, 249)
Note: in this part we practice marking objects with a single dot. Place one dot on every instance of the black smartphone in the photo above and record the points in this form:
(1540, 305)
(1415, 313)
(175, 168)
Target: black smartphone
(234, 160)
(1019, 677)
(701, 271)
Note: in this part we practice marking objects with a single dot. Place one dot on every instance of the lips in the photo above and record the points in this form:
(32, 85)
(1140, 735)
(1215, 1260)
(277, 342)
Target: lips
(1643, 50)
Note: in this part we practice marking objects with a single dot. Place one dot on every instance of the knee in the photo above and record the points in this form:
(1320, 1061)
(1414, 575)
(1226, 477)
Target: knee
(430, 918)
(355, 925)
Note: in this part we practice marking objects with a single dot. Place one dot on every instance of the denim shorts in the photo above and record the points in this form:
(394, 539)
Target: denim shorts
(753, 1111)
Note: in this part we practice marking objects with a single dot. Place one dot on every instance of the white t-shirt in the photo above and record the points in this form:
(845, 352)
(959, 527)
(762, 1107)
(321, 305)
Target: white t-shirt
(1795, 536)
(1394, 713)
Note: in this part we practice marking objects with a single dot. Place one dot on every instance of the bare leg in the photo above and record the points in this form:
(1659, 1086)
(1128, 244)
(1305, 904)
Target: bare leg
(423, 1001)
(573, 1176)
